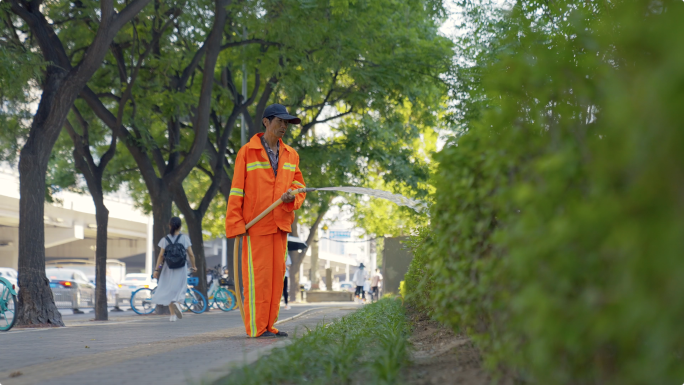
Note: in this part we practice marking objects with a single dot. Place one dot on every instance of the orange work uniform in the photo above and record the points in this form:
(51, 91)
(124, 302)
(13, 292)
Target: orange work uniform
(264, 251)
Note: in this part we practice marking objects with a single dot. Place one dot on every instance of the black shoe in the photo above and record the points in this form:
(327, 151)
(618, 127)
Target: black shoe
(281, 334)
(267, 334)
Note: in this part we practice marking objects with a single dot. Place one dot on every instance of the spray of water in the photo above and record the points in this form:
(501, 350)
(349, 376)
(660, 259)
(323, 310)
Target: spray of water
(400, 200)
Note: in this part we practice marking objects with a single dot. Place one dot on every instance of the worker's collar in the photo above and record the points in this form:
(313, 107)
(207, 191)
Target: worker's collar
(255, 142)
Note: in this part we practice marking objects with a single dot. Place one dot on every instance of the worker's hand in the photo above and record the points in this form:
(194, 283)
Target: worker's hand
(287, 197)
(193, 269)
(156, 274)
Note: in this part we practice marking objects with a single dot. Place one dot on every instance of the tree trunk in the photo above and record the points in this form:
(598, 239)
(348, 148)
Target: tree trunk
(93, 179)
(162, 206)
(193, 220)
(293, 281)
(297, 258)
(62, 84)
(102, 219)
(194, 223)
(314, 259)
(36, 303)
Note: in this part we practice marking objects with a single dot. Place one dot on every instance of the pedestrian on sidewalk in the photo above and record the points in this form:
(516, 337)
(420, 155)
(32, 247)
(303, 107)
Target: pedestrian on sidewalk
(366, 289)
(375, 282)
(288, 263)
(172, 270)
(265, 169)
(359, 279)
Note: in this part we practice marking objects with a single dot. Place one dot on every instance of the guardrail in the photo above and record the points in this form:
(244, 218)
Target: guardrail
(65, 298)
(69, 299)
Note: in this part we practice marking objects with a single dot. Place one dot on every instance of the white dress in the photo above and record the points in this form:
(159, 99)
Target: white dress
(359, 277)
(172, 283)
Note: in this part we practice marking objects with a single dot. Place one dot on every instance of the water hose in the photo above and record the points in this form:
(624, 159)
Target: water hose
(236, 265)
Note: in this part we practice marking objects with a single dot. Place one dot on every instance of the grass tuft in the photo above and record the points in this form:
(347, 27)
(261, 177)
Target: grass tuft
(368, 346)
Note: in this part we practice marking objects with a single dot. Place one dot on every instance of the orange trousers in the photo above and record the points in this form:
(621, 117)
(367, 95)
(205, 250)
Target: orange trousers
(263, 271)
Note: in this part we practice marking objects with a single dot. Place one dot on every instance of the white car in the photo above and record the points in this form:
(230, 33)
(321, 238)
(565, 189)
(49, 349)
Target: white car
(347, 286)
(304, 282)
(11, 275)
(133, 282)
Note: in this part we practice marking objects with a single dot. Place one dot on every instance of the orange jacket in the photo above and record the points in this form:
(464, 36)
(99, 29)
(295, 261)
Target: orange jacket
(255, 188)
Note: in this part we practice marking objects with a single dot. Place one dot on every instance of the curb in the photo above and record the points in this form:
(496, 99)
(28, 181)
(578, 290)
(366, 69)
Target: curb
(298, 315)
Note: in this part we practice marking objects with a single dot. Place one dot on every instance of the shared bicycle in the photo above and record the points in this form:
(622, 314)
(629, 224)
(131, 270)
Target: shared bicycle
(141, 299)
(219, 293)
(8, 305)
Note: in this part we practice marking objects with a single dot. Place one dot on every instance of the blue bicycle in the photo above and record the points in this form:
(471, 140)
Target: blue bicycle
(219, 292)
(141, 299)
(194, 300)
(8, 305)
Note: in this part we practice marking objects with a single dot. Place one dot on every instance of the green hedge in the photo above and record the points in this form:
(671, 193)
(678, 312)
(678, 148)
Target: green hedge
(557, 236)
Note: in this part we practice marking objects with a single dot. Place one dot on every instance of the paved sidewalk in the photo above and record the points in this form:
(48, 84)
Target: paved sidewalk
(132, 349)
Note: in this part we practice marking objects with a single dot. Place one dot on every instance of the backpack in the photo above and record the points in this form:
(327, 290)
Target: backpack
(174, 253)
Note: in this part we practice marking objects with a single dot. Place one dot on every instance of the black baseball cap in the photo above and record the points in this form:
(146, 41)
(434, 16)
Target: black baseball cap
(278, 110)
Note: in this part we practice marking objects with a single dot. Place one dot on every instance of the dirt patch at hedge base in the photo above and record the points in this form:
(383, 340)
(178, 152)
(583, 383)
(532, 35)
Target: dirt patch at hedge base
(441, 357)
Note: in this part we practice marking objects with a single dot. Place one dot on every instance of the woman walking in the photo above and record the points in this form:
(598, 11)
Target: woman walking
(172, 271)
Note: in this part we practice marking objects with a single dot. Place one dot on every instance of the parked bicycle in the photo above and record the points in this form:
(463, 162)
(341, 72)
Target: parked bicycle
(8, 305)
(141, 299)
(194, 300)
(219, 293)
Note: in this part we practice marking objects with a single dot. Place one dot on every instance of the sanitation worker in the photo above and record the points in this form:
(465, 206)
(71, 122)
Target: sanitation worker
(265, 169)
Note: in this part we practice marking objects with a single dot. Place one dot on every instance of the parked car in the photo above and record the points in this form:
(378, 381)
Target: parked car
(133, 282)
(71, 285)
(305, 284)
(112, 289)
(347, 286)
(115, 269)
(11, 275)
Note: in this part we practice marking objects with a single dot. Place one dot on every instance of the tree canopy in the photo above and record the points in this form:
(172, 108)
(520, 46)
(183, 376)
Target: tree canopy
(169, 88)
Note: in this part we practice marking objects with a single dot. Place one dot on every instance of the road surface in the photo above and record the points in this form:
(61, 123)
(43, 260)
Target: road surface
(131, 349)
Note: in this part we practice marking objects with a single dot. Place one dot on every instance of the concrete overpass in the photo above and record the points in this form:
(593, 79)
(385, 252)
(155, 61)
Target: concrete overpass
(70, 227)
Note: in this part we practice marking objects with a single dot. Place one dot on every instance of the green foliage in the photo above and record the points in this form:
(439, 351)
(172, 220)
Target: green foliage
(418, 278)
(557, 225)
(401, 164)
(379, 72)
(19, 70)
(21, 76)
(362, 68)
(367, 346)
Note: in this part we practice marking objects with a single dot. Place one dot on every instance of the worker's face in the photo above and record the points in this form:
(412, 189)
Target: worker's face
(276, 127)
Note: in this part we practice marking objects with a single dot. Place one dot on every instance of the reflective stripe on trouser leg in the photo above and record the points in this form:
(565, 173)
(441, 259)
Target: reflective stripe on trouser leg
(261, 261)
(249, 288)
(283, 289)
(279, 250)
